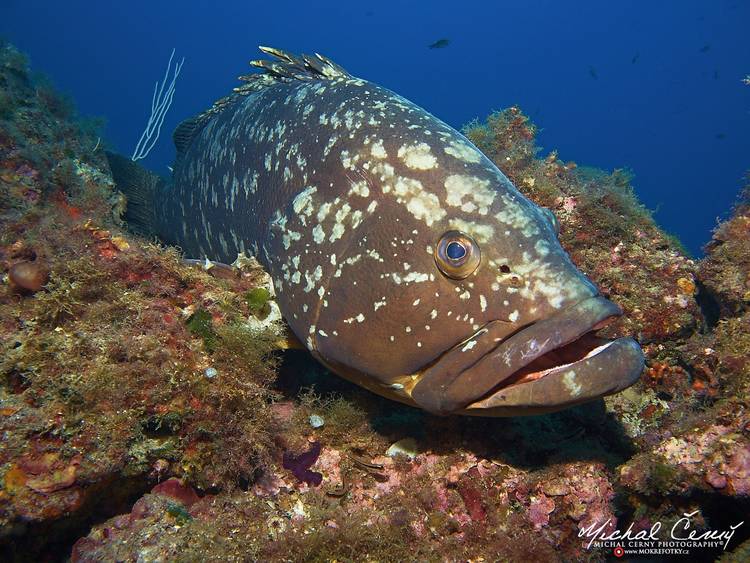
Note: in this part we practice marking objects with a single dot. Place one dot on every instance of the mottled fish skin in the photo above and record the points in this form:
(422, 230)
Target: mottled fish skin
(342, 189)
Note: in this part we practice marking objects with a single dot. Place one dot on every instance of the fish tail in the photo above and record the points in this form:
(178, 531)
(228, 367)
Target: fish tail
(141, 188)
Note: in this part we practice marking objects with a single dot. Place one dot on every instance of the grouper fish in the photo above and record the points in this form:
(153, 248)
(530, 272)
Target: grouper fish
(402, 257)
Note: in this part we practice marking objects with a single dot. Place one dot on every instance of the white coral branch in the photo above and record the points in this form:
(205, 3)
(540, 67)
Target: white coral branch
(160, 103)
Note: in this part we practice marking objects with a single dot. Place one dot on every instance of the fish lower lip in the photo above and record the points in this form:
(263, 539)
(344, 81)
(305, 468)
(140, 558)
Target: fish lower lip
(556, 360)
(444, 389)
(606, 369)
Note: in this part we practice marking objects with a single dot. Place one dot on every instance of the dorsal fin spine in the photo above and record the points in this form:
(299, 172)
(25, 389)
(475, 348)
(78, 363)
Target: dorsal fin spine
(285, 68)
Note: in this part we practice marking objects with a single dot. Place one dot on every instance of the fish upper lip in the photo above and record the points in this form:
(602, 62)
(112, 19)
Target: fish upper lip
(454, 382)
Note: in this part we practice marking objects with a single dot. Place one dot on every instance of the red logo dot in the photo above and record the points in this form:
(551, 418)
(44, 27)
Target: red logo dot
(619, 551)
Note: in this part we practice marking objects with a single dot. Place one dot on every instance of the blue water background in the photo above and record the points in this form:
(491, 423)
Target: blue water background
(654, 86)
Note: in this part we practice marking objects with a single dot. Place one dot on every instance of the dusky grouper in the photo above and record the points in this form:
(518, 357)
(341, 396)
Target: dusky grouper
(402, 257)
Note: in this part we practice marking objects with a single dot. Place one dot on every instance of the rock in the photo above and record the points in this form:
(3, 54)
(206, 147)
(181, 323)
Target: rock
(407, 447)
(176, 489)
(28, 276)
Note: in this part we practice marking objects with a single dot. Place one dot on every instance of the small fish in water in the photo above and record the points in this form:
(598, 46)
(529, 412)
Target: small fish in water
(439, 44)
(402, 257)
(635, 58)
(706, 48)
(593, 74)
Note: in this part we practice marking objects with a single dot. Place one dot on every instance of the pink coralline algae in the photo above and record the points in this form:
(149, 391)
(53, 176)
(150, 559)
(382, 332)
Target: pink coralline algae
(175, 489)
(568, 204)
(300, 465)
(540, 509)
(738, 471)
(269, 484)
(580, 494)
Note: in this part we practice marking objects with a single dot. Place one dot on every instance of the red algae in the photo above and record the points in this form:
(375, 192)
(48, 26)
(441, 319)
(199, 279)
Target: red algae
(299, 465)
(472, 496)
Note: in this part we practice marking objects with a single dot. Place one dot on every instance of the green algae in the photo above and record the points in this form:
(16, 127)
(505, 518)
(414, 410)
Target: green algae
(179, 513)
(201, 324)
(163, 424)
(344, 419)
(258, 301)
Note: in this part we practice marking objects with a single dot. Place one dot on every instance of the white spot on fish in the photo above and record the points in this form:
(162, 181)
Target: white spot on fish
(573, 387)
(323, 211)
(313, 279)
(360, 188)
(415, 277)
(302, 203)
(336, 232)
(518, 217)
(476, 191)
(463, 151)
(417, 156)
(318, 234)
(542, 247)
(481, 232)
(378, 151)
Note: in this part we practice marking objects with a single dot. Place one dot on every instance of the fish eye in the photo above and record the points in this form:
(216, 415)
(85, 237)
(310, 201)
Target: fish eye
(455, 250)
(457, 255)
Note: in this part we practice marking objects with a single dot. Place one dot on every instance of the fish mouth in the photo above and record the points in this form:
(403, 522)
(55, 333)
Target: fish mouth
(548, 365)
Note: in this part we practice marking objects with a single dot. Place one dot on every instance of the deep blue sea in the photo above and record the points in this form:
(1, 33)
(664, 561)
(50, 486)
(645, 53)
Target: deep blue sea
(653, 86)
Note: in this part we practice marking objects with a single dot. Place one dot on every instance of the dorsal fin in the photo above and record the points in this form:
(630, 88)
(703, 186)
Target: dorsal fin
(301, 67)
(285, 68)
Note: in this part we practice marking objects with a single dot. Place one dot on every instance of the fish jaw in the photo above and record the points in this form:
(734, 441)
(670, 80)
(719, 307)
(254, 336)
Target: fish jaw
(549, 365)
(607, 369)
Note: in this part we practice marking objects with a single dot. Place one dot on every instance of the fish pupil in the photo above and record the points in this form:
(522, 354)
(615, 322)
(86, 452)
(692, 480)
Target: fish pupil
(455, 251)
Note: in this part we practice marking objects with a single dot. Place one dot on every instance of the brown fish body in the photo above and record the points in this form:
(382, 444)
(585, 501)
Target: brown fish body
(401, 256)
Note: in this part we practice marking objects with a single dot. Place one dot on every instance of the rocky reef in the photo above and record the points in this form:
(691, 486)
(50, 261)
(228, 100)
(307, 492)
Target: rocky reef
(143, 417)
